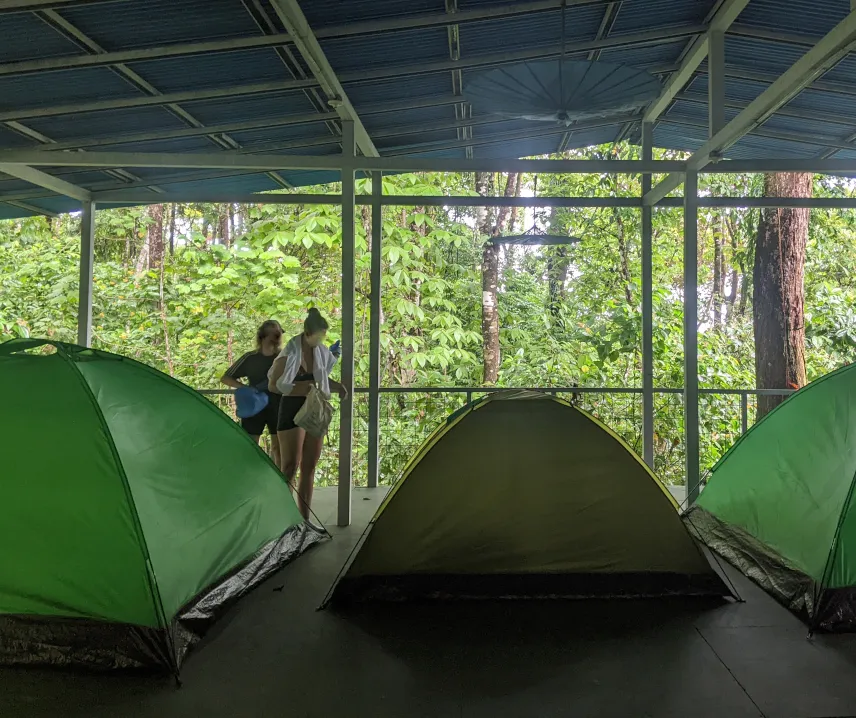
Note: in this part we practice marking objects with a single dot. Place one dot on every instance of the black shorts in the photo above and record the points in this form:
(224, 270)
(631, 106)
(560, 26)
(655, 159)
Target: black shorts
(267, 417)
(288, 408)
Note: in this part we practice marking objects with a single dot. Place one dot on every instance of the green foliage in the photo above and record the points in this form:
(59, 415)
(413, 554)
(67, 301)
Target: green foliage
(233, 267)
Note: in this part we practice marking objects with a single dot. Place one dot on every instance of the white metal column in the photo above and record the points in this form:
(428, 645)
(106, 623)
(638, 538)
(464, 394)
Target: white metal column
(691, 434)
(346, 437)
(647, 307)
(87, 263)
(374, 330)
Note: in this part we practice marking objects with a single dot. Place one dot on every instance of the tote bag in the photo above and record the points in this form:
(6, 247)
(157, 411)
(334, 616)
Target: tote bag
(315, 414)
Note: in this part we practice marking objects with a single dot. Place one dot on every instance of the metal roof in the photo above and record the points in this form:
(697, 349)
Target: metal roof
(229, 65)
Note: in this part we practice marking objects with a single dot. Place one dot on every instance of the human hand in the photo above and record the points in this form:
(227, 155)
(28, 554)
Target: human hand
(342, 391)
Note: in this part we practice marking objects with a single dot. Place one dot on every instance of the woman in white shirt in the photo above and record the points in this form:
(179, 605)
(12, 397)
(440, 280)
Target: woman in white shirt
(303, 363)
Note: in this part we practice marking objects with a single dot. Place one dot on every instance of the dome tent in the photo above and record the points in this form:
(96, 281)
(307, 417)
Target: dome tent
(133, 511)
(780, 504)
(521, 494)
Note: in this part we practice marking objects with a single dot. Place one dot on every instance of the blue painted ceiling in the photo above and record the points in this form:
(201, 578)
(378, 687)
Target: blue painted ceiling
(399, 78)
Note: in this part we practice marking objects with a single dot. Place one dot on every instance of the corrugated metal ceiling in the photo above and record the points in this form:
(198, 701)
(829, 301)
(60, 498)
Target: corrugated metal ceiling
(400, 59)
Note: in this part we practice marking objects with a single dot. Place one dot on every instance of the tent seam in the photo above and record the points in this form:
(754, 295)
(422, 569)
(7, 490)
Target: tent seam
(150, 572)
(832, 551)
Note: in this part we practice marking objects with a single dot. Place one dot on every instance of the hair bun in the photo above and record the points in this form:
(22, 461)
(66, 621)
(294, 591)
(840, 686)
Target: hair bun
(313, 311)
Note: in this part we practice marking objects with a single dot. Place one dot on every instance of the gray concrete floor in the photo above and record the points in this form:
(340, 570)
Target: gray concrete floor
(274, 655)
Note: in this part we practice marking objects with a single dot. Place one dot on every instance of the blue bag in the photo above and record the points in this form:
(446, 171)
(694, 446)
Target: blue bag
(249, 401)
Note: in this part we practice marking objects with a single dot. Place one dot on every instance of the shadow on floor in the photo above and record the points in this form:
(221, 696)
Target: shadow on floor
(276, 655)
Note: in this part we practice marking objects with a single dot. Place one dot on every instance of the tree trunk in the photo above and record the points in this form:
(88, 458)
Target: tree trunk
(172, 213)
(489, 226)
(558, 264)
(733, 280)
(718, 269)
(223, 222)
(154, 240)
(778, 306)
(623, 258)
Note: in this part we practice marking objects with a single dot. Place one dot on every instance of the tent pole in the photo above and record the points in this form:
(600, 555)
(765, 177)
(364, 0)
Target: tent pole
(87, 264)
(647, 308)
(346, 437)
(374, 330)
(691, 428)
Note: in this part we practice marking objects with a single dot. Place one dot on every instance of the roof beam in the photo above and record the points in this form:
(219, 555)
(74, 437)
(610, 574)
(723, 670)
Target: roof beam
(18, 6)
(307, 44)
(71, 62)
(58, 23)
(742, 73)
(847, 120)
(201, 160)
(839, 203)
(719, 22)
(797, 137)
(463, 109)
(167, 98)
(810, 66)
(359, 76)
(269, 122)
(42, 179)
(31, 208)
(428, 20)
(234, 160)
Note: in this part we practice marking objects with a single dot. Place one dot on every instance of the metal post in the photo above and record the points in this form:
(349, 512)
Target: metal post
(691, 432)
(716, 81)
(374, 330)
(647, 307)
(87, 263)
(346, 437)
(744, 412)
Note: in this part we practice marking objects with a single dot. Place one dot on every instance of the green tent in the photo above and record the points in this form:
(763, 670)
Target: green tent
(779, 505)
(522, 494)
(132, 510)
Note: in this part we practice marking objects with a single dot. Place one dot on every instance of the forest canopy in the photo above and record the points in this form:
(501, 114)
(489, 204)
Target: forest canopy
(183, 288)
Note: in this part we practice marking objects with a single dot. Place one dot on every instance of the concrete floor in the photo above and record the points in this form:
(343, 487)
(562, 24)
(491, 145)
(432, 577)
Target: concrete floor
(274, 655)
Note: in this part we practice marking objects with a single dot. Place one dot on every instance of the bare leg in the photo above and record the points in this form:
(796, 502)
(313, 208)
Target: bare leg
(274, 451)
(257, 439)
(290, 448)
(311, 453)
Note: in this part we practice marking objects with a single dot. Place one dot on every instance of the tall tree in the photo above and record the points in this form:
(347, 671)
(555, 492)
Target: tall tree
(778, 306)
(718, 295)
(492, 225)
(558, 264)
(155, 239)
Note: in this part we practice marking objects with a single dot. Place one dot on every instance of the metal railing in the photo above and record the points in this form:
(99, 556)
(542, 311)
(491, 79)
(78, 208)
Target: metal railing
(409, 414)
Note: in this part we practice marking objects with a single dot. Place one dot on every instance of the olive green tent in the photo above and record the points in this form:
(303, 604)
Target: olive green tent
(522, 494)
(132, 510)
(780, 506)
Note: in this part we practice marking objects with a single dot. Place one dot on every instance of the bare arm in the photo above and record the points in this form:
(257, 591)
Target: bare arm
(339, 388)
(276, 372)
(230, 382)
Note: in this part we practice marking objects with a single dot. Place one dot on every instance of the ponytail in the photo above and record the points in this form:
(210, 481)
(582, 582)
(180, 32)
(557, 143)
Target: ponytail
(314, 322)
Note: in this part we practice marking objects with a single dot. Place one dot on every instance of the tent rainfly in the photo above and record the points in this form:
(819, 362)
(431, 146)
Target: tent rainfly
(132, 511)
(521, 494)
(780, 504)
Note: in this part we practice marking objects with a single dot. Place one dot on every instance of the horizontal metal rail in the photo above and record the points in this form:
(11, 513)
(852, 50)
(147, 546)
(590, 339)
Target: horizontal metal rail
(546, 389)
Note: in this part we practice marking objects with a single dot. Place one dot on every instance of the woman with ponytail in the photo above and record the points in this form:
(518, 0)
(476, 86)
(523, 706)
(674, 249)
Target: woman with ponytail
(254, 367)
(303, 363)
